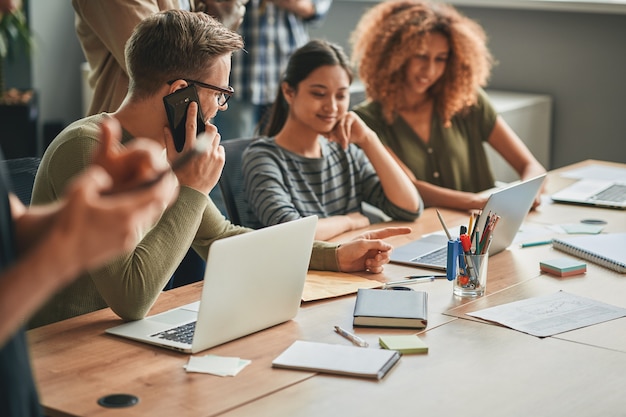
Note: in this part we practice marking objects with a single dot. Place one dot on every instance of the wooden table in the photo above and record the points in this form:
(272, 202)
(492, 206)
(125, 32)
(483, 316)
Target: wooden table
(472, 368)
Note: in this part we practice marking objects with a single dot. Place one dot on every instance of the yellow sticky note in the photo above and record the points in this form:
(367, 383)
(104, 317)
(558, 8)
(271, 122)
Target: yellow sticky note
(403, 343)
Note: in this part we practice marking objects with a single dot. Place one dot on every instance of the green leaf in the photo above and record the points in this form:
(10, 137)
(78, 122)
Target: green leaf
(14, 31)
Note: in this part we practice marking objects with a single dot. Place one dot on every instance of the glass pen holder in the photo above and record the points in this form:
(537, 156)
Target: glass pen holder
(471, 275)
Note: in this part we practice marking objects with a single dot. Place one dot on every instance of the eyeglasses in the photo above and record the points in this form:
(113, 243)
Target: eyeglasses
(222, 99)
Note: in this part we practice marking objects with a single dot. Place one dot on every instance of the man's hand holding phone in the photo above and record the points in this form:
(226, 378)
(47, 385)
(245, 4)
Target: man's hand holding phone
(177, 108)
(202, 171)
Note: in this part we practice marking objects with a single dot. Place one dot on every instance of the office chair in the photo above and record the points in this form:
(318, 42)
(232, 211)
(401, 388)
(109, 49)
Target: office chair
(231, 182)
(22, 172)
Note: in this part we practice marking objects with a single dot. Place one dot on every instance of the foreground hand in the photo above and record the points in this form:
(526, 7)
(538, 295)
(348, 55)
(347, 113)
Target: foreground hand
(367, 252)
(130, 165)
(96, 225)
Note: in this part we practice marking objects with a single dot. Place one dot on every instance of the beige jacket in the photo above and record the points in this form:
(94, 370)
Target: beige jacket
(103, 27)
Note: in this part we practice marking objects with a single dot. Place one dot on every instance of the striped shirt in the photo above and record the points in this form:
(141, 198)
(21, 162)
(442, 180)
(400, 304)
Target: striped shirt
(281, 186)
(271, 35)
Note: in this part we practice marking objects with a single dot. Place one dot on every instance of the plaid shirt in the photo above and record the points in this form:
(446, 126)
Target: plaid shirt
(270, 34)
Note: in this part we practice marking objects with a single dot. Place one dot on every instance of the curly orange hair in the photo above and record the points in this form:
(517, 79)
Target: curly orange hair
(388, 35)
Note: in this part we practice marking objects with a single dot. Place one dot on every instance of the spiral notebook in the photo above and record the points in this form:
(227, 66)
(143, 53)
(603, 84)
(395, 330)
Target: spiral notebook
(608, 249)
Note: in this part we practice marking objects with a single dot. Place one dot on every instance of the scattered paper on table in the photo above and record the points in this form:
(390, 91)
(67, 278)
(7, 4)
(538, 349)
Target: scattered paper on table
(529, 232)
(320, 285)
(582, 228)
(596, 172)
(550, 314)
(216, 365)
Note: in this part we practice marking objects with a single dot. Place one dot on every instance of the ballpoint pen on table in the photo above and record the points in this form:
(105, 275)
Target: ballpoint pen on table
(409, 281)
(356, 340)
(425, 276)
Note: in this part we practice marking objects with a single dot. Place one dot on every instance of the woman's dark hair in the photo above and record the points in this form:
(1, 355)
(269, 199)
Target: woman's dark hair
(305, 60)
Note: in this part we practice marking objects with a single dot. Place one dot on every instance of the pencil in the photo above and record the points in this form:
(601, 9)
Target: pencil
(445, 228)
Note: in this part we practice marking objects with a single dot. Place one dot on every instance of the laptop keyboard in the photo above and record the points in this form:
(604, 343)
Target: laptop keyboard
(615, 193)
(438, 257)
(182, 334)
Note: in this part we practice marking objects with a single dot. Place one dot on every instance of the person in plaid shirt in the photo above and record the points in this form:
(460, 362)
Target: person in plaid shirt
(272, 30)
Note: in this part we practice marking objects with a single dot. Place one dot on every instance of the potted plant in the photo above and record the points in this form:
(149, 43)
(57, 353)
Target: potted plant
(18, 110)
(14, 33)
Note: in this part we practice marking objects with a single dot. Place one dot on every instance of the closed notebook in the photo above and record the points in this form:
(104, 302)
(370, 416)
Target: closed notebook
(337, 359)
(608, 249)
(389, 308)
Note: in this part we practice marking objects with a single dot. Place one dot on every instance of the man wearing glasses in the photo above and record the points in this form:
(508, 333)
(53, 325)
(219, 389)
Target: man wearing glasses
(167, 52)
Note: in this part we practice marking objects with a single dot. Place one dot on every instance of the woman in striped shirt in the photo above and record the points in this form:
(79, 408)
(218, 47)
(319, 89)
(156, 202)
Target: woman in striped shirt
(320, 159)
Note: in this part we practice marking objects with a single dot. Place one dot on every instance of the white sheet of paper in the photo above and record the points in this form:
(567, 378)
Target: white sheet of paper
(529, 232)
(550, 314)
(216, 365)
(581, 228)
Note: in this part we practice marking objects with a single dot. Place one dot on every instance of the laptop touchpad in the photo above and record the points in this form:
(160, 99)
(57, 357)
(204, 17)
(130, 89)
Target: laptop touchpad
(176, 316)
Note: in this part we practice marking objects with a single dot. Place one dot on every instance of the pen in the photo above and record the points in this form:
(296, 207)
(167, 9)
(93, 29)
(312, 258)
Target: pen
(351, 337)
(466, 244)
(424, 276)
(409, 281)
(539, 243)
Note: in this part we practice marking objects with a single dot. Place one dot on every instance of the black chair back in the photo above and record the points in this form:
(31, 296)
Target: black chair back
(22, 172)
(231, 182)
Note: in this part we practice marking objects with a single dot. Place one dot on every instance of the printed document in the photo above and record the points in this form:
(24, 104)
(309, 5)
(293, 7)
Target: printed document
(550, 314)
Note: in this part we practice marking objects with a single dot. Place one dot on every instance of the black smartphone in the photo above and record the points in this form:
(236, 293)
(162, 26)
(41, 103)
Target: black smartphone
(176, 105)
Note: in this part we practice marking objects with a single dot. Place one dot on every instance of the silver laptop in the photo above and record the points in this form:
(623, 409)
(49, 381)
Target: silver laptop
(600, 193)
(252, 281)
(511, 204)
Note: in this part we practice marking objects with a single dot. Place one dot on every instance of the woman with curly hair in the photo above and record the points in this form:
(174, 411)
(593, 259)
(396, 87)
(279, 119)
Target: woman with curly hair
(424, 65)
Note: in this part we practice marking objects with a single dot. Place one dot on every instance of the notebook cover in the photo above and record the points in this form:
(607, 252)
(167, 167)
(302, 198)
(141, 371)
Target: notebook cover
(403, 343)
(337, 359)
(385, 308)
(607, 249)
